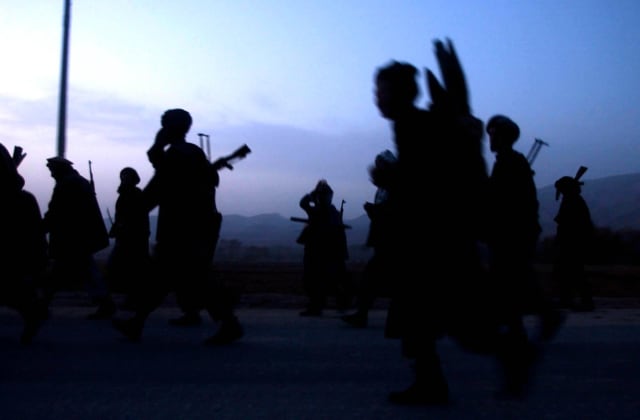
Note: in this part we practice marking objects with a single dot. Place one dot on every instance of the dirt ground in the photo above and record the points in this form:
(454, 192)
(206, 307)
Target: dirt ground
(286, 278)
(280, 284)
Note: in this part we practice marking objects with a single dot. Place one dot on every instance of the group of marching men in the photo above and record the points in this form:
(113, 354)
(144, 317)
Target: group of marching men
(437, 207)
(425, 252)
(72, 230)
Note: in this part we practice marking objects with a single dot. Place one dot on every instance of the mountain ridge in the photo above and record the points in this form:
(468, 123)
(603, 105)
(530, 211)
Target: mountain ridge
(614, 202)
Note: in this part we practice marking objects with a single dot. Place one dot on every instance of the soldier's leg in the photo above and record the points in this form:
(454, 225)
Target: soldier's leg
(96, 287)
(155, 288)
(430, 386)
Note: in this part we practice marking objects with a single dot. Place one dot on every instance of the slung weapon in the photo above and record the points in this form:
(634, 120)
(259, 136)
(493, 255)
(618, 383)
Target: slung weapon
(226, 161)
(581, 171)
(93, 185)
(535, 149)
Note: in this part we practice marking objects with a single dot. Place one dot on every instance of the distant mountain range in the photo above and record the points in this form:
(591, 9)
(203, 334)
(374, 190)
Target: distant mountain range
(273, 229)
(614, 203)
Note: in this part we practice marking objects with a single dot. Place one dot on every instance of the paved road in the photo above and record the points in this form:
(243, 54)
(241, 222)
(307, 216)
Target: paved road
(289, 367)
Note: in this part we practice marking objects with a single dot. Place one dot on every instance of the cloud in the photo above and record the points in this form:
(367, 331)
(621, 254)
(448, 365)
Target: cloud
(285, 163)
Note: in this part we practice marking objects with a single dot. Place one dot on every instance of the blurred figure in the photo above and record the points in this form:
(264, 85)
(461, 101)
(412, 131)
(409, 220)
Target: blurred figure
(423, 307)
(512, 238)
(182, 188)
(23, 248)
(574, 238)
(129, 259)
(377, 272)
(325, 250)
(76, 231)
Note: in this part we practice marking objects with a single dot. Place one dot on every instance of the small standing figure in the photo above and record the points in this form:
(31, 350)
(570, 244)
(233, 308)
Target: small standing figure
(23, 248)
(574, 237)
(377, 271)
(129, 258)
(76, 232)
(325, 248)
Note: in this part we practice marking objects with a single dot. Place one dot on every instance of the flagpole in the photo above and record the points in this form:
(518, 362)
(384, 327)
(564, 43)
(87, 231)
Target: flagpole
(62, 104)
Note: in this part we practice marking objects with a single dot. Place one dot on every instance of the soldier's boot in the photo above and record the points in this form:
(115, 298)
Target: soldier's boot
(430, 386)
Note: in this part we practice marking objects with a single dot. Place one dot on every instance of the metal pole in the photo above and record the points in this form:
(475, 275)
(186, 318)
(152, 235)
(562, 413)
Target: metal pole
(62, 104)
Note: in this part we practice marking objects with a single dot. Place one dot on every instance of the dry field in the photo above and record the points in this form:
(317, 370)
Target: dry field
(608, 281)
(280, 284)
(272, 282)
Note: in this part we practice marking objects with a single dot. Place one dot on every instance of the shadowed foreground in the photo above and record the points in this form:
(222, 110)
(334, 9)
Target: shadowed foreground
(298, 368)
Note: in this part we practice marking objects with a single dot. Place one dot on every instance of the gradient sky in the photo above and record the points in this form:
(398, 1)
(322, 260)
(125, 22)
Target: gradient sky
(293, 80)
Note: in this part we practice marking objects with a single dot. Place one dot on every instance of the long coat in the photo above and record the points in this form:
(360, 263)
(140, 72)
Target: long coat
(131, 224)
(183, 188)
(575, 230)
(435, 241)
(73, 218)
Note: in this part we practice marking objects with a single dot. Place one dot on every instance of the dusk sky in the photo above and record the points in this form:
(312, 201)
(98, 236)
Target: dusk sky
(294, 81)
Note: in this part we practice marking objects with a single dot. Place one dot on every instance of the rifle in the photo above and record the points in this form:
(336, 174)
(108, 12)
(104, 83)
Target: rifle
(93, 185)
(202, 137)
(109, 216)
(581, 171)
(535, 149)
(225, 162)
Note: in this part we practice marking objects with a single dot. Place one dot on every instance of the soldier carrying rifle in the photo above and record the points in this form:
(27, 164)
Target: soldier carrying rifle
(574, 235)
(325, 251)
(182, 188)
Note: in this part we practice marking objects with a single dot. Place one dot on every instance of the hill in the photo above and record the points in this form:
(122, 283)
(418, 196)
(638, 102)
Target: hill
(273, 229)
(614, 203)
(272, 237)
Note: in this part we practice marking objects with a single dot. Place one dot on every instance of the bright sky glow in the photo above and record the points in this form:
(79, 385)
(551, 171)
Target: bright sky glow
(293, 80)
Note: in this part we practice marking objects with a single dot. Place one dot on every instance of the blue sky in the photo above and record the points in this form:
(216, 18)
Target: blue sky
(293, 80)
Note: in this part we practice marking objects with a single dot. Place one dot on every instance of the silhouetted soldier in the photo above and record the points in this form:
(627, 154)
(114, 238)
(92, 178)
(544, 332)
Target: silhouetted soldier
(377, 272)
(23, 248)
(182, 188)
(76, 231)
(185, 297)
(424, 308)
(129, 259)
(574, 238)
(325, 248)
(512, 237)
